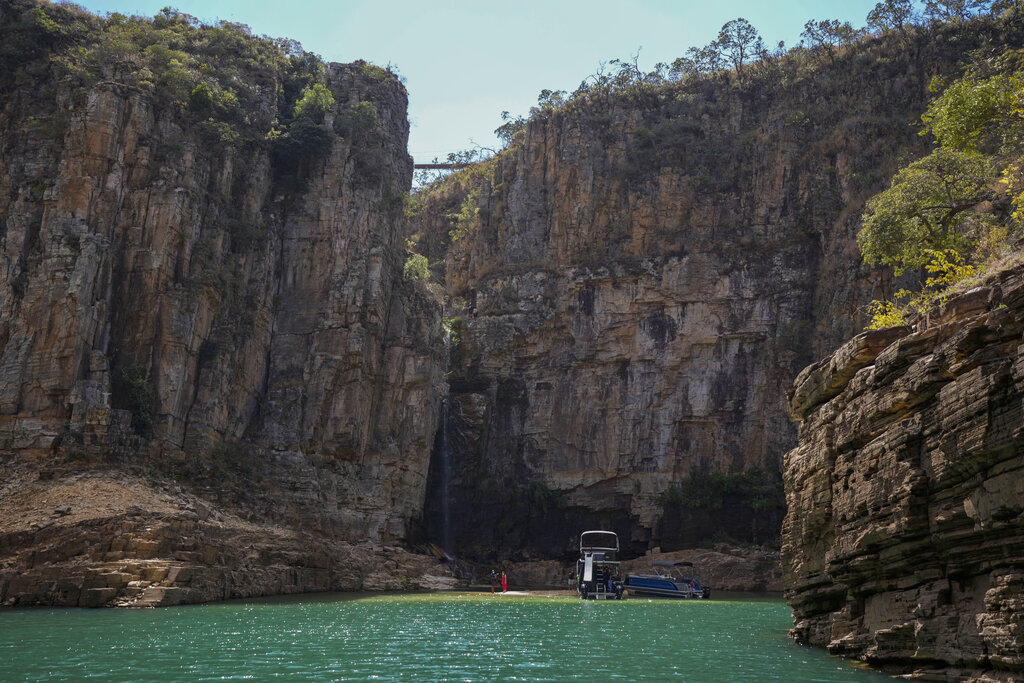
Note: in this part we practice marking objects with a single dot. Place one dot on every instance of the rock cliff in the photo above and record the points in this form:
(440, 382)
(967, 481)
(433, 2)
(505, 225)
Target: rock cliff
(904, 540)
(203, 315)
(637, 280)
(184, 295)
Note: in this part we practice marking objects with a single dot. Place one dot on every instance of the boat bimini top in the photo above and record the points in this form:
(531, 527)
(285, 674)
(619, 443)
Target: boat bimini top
(602, 545)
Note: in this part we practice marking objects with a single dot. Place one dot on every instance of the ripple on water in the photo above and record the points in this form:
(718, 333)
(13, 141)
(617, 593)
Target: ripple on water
(442, 637)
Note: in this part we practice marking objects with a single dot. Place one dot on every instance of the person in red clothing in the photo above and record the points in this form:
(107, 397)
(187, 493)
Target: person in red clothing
(504, 583)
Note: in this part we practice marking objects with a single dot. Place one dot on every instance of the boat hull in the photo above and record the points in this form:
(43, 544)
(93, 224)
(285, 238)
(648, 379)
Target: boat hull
(662, 593)
(662, 587)
(659, 593)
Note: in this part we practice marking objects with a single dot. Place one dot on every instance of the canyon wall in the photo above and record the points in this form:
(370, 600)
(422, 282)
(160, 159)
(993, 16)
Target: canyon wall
(277, 322)
(208, 345)
(904, 540)
(180, 297)
(639, 277)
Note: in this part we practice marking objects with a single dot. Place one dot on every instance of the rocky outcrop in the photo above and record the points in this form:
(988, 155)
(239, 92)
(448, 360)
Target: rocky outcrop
(904, 540)
(638, 279)
(89, 539)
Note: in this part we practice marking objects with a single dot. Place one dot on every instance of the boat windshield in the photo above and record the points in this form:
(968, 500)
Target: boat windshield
(599, 540)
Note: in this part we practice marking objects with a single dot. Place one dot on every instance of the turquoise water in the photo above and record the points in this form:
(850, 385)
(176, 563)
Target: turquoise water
(420, 637)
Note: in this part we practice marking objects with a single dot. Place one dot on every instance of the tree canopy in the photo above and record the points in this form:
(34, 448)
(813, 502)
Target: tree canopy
(962, 205)
(315, 101)
(829, 34)
(739, 41)
(953, 10)
(891, 15)
(929, 206)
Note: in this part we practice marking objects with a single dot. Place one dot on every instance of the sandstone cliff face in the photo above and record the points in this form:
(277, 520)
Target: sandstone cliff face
(176, 302)
(904, 538)
(275, 322)
(640, 278)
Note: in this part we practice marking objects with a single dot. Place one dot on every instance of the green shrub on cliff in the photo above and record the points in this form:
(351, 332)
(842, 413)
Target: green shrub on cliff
(315, 101)
(172, 54)
(888, 313)
(466, 216)
(713, 490)
(356, 119)
(214, 103)
(219, 75)
(302, 141)
(30, 33)
(960, 207)
(416, 268)
(946, 269)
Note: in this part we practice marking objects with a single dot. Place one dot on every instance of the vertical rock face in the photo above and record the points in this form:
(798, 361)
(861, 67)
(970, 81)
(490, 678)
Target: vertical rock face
(904, 539)
(641, 276)
(241, 320)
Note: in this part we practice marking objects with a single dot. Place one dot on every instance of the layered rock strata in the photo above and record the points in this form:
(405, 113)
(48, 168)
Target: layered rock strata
(904, 540)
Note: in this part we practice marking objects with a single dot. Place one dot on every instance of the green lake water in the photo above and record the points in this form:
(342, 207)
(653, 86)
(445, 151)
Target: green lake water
(418, 637)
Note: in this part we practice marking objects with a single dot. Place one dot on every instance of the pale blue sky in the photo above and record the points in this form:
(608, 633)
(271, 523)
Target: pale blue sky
(466, 61)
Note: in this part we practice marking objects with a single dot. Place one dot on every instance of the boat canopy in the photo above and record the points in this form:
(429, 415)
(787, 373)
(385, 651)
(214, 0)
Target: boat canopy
(599, 540)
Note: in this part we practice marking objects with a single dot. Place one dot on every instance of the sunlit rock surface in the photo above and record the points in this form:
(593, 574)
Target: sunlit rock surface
(88, 539)
(904, 540)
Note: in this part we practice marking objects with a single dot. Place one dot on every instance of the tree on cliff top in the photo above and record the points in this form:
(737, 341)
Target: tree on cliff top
(963, 204)
(829, 34)
(891, 15)
(954, 10)
(739, 42)
(955, 197)
(929, 206)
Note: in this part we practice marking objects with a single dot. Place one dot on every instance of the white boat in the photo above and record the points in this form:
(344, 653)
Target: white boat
(597, 570)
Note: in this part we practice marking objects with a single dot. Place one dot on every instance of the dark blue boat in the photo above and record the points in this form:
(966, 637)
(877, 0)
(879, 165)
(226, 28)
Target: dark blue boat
(669, 580)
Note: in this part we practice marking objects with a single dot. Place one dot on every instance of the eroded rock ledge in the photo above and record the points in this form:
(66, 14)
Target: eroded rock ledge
(109, 539)
(904, 540)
